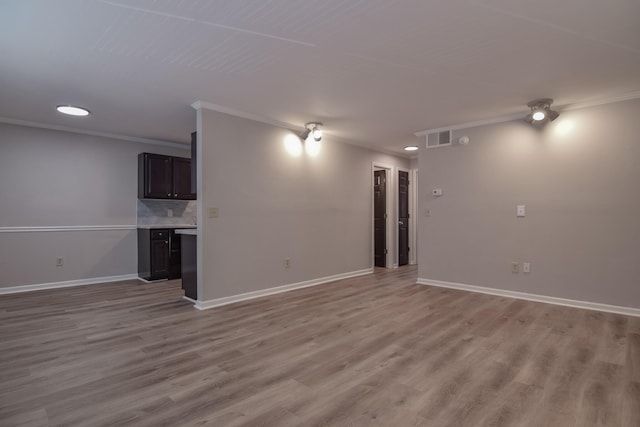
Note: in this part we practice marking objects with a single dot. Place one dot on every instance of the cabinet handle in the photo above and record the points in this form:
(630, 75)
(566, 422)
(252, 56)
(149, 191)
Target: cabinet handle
(166, 241)
(175, 195)
(168, 194)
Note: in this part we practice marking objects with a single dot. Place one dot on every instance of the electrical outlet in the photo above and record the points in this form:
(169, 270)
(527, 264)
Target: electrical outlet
(287, 263)
(59, 261)
(515, 267)
(526, 267)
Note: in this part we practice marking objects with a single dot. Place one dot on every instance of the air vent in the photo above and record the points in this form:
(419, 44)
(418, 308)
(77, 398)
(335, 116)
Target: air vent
(439, 139)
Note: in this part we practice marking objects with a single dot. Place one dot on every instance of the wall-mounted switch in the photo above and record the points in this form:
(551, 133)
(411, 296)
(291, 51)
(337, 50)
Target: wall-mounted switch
(213, 212)
(287, 263)
(59, 261)
(515, 267)
(427, 212)
(526, 267)
(521, 211)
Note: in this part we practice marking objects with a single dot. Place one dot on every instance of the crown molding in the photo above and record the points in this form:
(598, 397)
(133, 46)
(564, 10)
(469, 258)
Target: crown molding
(507, 118)
(204, 105)
(49, 126)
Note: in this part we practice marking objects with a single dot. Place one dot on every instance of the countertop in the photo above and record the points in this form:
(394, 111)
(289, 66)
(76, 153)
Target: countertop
(169, 226)
(188, 231)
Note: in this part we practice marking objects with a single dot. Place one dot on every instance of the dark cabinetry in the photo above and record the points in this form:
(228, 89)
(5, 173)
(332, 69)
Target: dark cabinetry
(158, 254)
(164, 177)
(189, 266)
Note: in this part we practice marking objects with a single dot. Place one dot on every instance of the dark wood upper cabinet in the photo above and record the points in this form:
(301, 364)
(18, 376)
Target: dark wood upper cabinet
(182, 179)
(164, 177)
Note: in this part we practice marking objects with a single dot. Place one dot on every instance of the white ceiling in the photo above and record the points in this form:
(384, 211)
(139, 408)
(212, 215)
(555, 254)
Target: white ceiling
(374, 71)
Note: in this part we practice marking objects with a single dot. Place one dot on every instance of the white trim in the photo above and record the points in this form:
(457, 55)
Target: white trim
(203, 305)
(48, 126)
(199, 105)
(467, 125)
(191, 300)
(413, 222)
(511, 117)
(628, 311)
(602, 101)
(410, 205)
(66, 284)
(66, 228)
(142, 279)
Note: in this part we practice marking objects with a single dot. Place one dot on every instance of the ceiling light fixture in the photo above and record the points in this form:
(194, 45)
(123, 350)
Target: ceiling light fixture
(72, 110)
(411, 148)
(312, 128)
(541, 111)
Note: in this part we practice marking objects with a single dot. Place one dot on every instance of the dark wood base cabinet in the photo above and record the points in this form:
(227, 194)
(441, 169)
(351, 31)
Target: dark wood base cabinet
(158, 254)
(189, 266)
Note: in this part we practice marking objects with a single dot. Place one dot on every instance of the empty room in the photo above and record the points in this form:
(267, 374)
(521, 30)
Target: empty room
(319, 213)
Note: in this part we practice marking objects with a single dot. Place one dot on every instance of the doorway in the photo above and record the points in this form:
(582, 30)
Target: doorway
(403, 218)
(380, 217)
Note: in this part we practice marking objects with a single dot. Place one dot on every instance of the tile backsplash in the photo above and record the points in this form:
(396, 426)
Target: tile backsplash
(156, 212)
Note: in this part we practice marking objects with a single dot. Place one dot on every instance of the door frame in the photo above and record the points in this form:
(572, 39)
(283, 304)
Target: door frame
(413, 221)
(391, 192)
(409, 210)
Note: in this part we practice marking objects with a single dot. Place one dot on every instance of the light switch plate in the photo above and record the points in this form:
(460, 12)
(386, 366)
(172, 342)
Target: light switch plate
(213, 212)
(521, 211)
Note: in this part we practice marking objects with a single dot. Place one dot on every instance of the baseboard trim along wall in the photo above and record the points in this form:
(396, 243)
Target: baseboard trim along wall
(66, 284)
(203, 305)
(628, 311)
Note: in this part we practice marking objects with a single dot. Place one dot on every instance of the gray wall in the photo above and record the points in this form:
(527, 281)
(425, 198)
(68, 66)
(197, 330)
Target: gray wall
(579, 180)
(272, 206)
(53, 178)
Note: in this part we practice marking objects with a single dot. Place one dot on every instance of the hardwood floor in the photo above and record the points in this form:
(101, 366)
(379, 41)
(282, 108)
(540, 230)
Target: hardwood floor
(377, 350)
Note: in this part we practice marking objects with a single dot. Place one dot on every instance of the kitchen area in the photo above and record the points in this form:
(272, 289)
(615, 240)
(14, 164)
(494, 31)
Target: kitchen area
(166, 220)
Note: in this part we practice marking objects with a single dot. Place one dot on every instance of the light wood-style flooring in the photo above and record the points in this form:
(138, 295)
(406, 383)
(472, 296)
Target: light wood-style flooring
(376, 350)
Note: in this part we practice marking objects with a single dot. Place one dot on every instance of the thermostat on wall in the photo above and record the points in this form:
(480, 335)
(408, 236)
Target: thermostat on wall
(437, 192)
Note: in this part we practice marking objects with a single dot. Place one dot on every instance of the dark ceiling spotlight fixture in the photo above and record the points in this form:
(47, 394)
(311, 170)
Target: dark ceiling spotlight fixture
(312, 128)
(541, 111)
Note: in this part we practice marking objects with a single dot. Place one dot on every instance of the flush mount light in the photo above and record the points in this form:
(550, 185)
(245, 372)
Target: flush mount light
(541, 111)
(312, 128)
(411, 148)
(72, 110)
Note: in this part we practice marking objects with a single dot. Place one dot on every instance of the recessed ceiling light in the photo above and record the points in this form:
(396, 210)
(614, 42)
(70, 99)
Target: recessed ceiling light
(72, 110)
(411, 148)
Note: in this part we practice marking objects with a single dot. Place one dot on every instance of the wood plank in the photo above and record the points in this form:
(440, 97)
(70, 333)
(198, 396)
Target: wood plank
(375, 350)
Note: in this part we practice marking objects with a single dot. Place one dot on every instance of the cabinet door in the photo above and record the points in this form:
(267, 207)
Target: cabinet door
(159, 259)
(174, 255)
(182, 179)
(157, 176)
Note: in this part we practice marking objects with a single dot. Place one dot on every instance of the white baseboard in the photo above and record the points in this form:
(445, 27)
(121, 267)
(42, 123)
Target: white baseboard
(628, 311)
(203, 305)
(66, 284)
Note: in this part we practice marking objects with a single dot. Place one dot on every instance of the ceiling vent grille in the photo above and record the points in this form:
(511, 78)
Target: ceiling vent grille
(439, 139)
